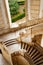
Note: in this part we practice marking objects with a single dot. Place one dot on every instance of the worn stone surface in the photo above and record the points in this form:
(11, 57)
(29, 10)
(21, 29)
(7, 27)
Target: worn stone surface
(20, 61)
(3, 61)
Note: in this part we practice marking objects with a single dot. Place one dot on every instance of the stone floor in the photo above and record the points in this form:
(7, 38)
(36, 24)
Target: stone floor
(3, 61)
(20, 61)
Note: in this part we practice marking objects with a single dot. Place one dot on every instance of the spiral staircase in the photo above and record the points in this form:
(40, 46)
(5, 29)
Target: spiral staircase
(33, 52)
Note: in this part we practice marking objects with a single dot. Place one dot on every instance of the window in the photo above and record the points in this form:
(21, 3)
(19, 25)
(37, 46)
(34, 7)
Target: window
(17, 11)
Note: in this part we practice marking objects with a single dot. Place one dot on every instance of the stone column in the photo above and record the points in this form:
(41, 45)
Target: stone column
(33, 9)
(4, 17)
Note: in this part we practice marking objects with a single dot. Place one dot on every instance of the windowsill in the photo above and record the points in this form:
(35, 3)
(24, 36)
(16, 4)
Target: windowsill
(17, 23)
(14, 25)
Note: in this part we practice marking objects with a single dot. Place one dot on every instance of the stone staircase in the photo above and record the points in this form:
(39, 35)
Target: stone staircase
(33, 54)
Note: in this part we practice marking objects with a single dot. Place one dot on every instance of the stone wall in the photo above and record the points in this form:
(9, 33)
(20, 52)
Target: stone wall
(1, 19)
(34, 9)
(4, 25)
(5, 19)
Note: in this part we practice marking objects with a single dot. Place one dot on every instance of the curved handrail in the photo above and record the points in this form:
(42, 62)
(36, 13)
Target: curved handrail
(34, 52)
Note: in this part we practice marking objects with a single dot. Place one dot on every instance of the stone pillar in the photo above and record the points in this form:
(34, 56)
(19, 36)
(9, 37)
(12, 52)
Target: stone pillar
(33, 9)
(4, 17)
(28, 10)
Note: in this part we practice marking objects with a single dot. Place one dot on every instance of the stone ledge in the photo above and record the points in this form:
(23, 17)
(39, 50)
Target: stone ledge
(30, 24)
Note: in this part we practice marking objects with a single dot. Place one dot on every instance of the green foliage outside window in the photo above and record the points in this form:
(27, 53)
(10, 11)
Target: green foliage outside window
(21, 2)
(14, 7)
(20, 16)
